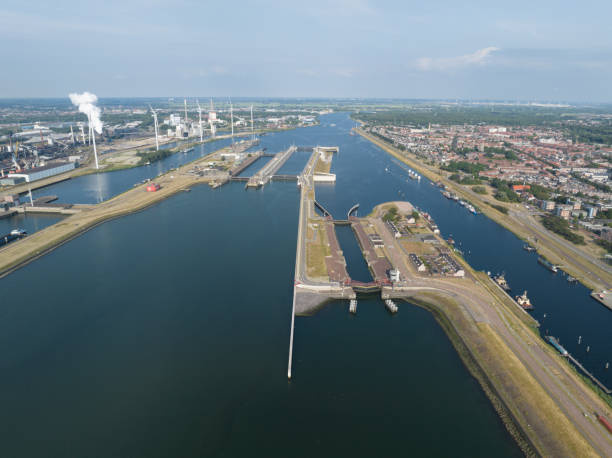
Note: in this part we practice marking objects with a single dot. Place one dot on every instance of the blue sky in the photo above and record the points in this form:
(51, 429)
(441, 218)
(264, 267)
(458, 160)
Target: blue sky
(536, 50)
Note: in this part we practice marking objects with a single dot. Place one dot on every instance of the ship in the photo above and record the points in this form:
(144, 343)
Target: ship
(555, 343)
(501, 281)
(548, 265)
(528, 247)
(15, 234)
(524, 301)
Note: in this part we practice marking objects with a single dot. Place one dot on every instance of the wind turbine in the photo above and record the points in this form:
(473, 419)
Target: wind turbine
(155, 123)
(200, 115)
(232, 121)
(252, 132)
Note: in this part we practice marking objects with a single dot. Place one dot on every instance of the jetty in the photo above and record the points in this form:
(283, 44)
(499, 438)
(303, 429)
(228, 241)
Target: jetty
(320, 267)
(263, 176)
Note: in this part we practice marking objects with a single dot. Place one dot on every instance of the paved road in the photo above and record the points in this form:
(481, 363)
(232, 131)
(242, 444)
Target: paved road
(476, 298)
(587, 264)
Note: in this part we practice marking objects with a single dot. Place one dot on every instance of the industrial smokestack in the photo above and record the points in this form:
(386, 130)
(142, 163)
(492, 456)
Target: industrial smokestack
(86, 103)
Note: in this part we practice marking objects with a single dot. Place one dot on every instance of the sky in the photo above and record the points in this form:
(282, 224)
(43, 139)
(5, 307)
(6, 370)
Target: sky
(549, 51)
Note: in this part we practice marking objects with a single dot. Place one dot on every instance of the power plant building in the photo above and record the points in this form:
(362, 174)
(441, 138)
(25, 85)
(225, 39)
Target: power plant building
(38, 173)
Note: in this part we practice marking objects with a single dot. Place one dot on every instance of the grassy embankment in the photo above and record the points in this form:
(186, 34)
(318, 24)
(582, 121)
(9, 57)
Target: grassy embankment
(583, 270)
(317, 249)
(530, 415)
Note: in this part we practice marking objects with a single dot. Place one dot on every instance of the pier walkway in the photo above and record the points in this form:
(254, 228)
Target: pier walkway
(309, 294)
(237, 170)
(264, 175)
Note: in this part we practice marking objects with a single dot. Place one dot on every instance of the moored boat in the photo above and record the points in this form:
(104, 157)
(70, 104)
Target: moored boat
(501, 281)
(548, 265)
(524, 301)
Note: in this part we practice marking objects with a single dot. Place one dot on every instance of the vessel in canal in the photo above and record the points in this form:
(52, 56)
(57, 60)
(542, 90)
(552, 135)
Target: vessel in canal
(548, 265)
(501, 281)
(524, 301)
(15, 234)
(555, 343)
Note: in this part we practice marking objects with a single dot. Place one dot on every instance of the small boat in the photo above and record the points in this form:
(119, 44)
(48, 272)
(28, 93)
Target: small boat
(548, 265)
(524, 301)
(528, 247)
(18, 233)
(571, 279)
(501, 281)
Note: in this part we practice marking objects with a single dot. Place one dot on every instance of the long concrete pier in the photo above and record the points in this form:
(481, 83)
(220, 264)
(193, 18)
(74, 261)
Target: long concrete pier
(234, 172)
(264, 175)
(308, 293)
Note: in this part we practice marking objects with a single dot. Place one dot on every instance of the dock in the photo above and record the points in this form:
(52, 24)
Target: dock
(588, 374)
(563, 352)
(310, 294)
(237, 170)
(263, 176)
(603, 297)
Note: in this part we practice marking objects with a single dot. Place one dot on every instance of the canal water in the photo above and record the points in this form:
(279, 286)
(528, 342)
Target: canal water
(30, 223)
(368, 176)
(98, 187)
(165, 333)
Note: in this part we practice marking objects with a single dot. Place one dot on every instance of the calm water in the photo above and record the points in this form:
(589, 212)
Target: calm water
(30, 223)
(98, 187)
(165, 333)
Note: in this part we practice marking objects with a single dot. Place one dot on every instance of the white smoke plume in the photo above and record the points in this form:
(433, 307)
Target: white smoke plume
(86, 103)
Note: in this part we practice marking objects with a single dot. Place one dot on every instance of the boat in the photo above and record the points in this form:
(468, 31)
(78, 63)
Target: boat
(571, 279)
(555, 343)
(501, 281)
(528, 247)
(548, 265)
(188, 150)
(524, 301)
(353, 306)
(15, 234)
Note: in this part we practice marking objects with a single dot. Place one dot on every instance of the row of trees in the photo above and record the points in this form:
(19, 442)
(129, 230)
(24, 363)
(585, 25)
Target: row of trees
(561, 227)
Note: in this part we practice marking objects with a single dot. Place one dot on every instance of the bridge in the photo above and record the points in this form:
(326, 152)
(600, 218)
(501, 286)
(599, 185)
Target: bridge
(353, 209)
(264, 175)
(284, 178)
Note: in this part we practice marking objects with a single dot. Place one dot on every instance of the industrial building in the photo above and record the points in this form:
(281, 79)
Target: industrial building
(38, 173)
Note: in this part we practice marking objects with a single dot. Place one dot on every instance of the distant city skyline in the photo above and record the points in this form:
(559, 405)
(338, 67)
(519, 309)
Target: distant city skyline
(544, 51)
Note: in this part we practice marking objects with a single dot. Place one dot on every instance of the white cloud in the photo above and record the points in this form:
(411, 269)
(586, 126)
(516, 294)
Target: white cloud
(479, 57)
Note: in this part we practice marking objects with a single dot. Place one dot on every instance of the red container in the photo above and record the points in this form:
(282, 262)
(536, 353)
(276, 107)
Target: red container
(605, 422)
